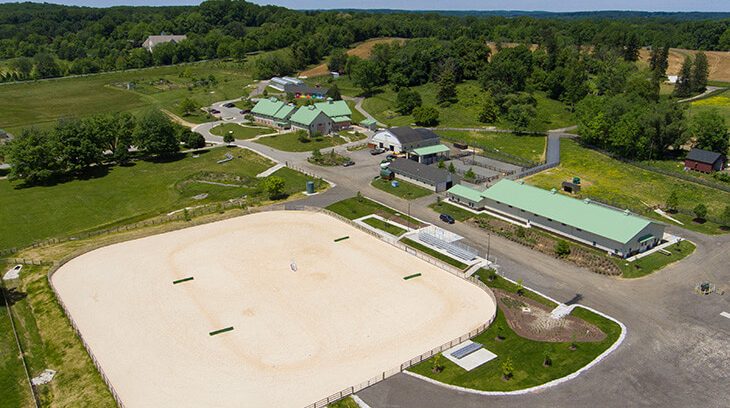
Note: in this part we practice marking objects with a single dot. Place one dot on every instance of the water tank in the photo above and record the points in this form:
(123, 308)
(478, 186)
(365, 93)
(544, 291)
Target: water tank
(310, 187)
(394, 183)
(576, 180)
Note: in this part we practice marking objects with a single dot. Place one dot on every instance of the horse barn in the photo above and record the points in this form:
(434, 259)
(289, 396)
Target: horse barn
(617, 232)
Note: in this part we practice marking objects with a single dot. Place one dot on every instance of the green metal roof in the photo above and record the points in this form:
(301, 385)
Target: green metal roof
(334, 108)
(616, 225)
(425, 151)
(466, 192)
(284, 111)
(368, 122)
(305, 115)
(340, 119)
(646, 238)
(267, 107)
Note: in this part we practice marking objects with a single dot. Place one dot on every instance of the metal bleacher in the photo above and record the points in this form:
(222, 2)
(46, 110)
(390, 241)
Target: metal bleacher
(466, 350)
(460, 251)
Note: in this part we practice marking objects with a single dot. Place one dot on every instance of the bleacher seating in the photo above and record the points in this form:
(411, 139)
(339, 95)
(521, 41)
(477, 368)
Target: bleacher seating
(462, 252)
(466, 350)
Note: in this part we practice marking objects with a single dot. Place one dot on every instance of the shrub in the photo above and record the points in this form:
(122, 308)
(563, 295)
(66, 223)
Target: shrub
(274, 186)
(426, 116)
(700, 211)
(562, 248)
(507, 369)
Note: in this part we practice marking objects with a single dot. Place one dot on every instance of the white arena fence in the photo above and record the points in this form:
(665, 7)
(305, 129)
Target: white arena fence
(349, 390)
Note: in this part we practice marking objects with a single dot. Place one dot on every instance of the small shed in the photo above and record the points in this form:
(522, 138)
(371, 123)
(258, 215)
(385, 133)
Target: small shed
(369, 124)
(704, 161)
(429, 154)
(429, 177)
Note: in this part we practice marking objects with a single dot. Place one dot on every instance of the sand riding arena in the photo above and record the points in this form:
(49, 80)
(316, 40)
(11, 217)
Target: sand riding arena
(272, 309)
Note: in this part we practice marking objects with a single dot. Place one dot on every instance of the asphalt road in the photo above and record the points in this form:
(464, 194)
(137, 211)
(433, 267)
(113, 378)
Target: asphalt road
(677, 349)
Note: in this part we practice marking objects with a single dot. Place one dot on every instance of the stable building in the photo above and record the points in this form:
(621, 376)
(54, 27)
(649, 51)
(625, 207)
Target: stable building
(338, 111)
(272, 112)
(404, 139)
(620, 233)
(430, 177)
(312, 120)
(704, 161)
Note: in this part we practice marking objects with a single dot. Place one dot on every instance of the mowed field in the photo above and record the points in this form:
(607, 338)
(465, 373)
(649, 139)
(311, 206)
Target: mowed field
(127, 194)
(41, 103)
(361, 50)
(626, 186)
(719, 62)
(345, 315)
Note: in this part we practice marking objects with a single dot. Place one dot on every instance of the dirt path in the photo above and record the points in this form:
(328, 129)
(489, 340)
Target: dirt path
(178, 119)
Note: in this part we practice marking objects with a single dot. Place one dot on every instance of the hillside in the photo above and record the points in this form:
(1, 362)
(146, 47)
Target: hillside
(361, 50)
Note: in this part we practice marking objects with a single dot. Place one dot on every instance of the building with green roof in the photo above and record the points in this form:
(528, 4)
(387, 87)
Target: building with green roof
(272, 112)
(620, 233)
(430, 154)
(311, 119)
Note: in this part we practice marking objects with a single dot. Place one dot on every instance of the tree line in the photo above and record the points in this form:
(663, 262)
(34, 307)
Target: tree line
(75, 146)
(47, 40)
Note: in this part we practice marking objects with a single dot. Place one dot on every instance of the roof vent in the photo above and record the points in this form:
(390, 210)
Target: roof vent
(627, 212)
(553, 191)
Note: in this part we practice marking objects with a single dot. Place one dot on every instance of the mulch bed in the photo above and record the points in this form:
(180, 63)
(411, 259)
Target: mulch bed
(399, 220)
(531, 320)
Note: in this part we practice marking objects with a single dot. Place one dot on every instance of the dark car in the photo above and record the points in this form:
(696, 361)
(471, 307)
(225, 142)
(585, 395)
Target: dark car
(245, 111)
(215, 111)
(391, 157)
(377, 150)
(447, 218)
(228, 105)
(348, 163)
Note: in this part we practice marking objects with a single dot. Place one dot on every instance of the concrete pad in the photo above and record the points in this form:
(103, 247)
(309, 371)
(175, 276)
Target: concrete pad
(471, 361)
(345, 316)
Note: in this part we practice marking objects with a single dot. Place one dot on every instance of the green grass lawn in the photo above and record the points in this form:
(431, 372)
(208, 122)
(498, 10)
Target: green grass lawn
(504, 284)
(527, 357)
(357, 117)
(719, 102)
(530, 148)
(289, 142)
(344, 403)
(405, 190)
(354, 207)
(458, 213)
(656, 261)
(14, 386)
(384, 226)
(50, 342)
(131, 193)
(626, 186)
(241, 132)
(436, 254)
(42, 103)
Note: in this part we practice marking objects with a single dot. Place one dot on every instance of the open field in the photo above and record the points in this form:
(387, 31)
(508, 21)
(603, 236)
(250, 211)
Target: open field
(289, 142)
(361, 50)
(626, 186)
(405, 190)
(527, 355)
(284, 350)
(14, 386)
(464, 113)
(42, 103)
(126, 194)
(241, 132)
(720, 103)
(719, 62)
(530, 148)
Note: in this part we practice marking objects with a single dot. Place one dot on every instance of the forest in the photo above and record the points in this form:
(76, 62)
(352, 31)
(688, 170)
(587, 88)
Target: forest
(46, 40)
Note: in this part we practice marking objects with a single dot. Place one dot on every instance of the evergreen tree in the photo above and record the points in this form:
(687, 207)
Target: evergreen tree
(631, 48)
(334, 93)
(700, 71)
(446, 85)
(683, 88)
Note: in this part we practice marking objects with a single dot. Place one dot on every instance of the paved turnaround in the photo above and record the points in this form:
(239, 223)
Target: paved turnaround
(677, 350)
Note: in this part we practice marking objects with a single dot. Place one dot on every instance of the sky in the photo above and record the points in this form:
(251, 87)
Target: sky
(539, 5)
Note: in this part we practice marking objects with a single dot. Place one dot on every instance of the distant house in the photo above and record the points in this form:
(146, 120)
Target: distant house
(404, 139)
(155, 40)
(272, 112)
(704, 161)
(430, 177)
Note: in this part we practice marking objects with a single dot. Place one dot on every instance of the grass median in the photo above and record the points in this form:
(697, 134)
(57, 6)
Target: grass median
(384, 226)
(527, 356)
(241, 132)
(405, 190)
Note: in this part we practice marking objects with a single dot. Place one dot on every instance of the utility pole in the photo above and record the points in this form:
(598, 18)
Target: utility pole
(409, 215)
(489, 244)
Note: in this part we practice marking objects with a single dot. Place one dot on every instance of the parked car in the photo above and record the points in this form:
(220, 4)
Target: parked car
(377, 150)
(447, 218)
(348, 163)
(245, 111)
(391, 157)
(215, 111)
(229, 105)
